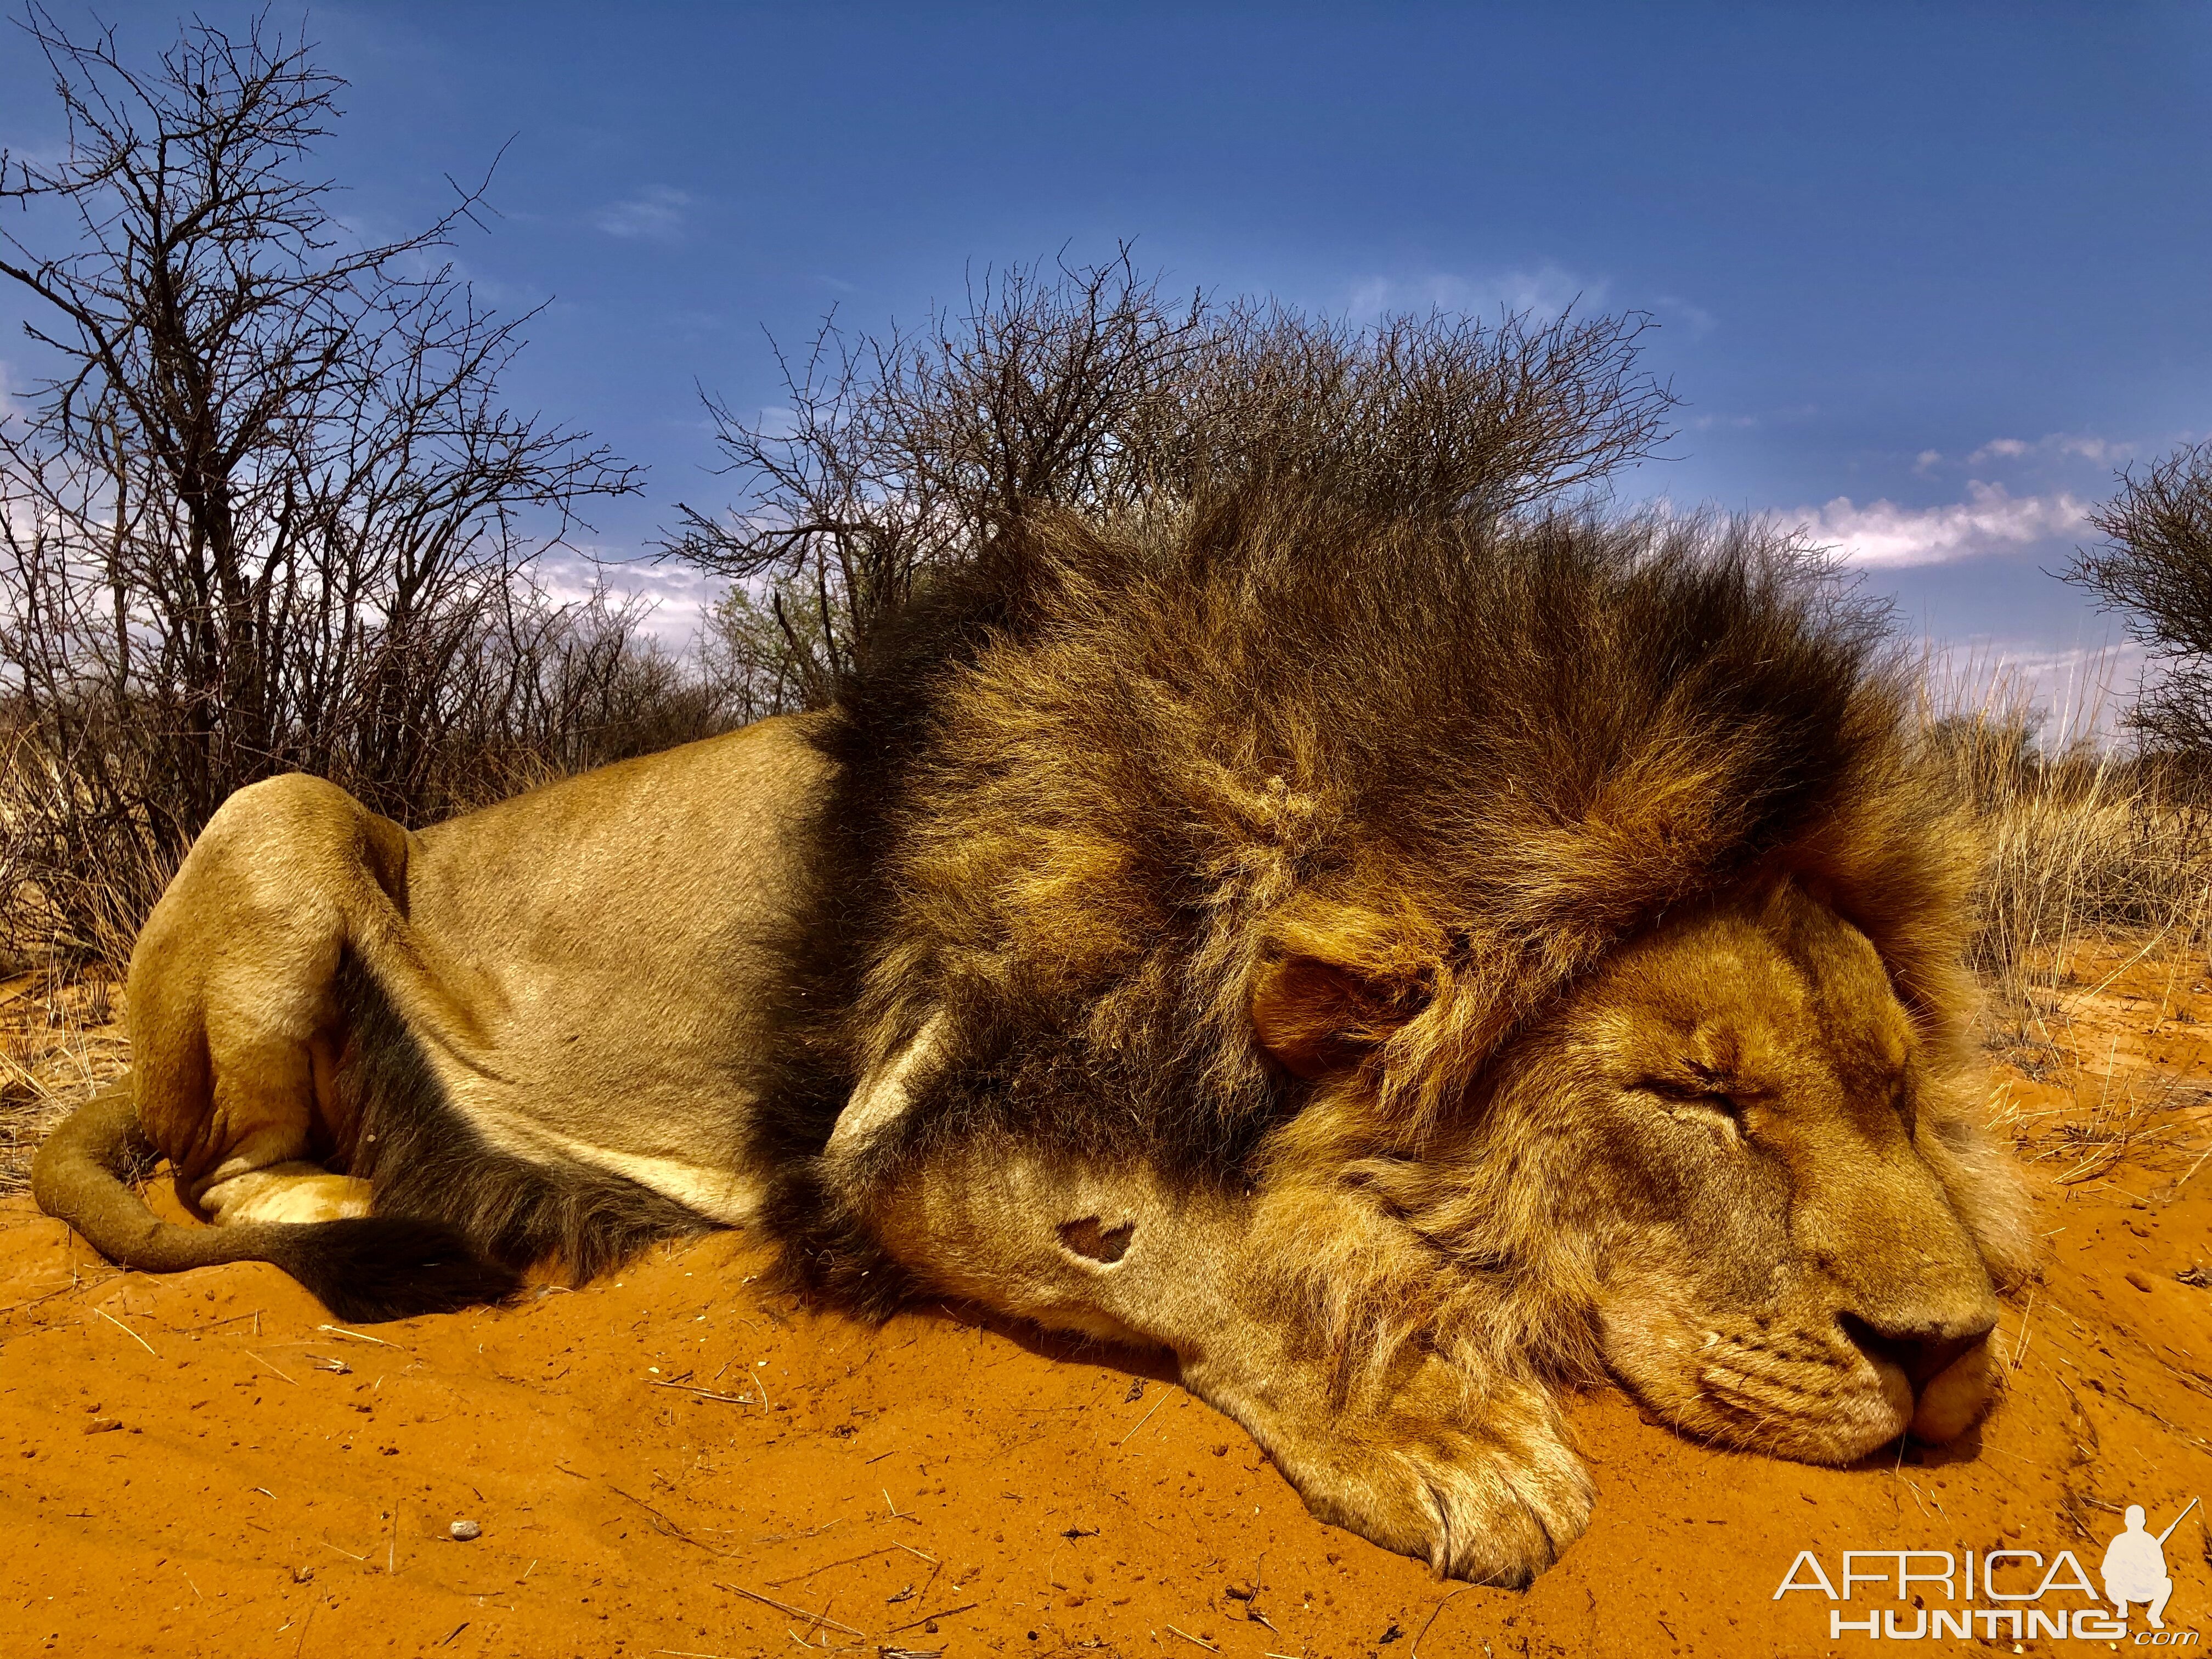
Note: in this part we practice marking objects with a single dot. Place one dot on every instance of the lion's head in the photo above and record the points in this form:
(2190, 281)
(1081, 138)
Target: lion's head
(1730, 1162)
(1796, 1226)
(1573, 896)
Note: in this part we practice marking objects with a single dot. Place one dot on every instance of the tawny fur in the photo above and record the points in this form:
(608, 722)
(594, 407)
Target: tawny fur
(1446, 960)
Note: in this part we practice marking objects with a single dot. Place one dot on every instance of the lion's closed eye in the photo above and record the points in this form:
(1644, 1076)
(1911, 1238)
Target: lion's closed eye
(1696, 1099)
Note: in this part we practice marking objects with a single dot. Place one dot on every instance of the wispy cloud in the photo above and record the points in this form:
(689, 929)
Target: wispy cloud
(672, 602)
(2064, 445)
(1547, 289)
(1672, 307)
(1990, 519)
(1795, 415)
(655, 214)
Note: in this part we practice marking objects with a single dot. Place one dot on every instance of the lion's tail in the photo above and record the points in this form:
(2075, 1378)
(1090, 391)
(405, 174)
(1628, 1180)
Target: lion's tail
(366, 1268)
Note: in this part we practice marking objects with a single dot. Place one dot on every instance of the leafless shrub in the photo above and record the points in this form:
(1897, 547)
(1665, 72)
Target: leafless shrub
(898, 455)
(2155, 569)
(268, 511)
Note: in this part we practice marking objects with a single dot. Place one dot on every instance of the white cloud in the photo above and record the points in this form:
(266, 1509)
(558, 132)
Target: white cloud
(2102, 451)
(1701, 321)
(673, 598)
(654, 214)
(1989, 520)
(1789, 416)
(1547, 290)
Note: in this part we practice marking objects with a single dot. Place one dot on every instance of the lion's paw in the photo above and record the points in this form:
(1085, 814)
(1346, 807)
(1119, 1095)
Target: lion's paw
(1487, 1491)
(1469, 1508)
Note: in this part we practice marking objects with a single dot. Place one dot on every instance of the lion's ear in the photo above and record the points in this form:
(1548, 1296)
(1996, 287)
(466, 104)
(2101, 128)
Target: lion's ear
(1313, 1017)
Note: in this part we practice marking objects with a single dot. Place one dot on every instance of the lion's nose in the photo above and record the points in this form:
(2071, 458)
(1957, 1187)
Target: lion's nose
(1948, 1367)
(1922, 1352)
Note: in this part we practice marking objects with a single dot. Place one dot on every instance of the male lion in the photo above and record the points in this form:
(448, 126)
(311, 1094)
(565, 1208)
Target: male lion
(1403, 970)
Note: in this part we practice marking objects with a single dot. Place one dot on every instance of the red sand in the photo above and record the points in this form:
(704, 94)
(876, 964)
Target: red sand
(199, 1464)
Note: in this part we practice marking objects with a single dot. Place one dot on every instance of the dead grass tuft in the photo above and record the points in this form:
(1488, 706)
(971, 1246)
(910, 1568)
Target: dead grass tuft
(2083, 845)
(61, 1040)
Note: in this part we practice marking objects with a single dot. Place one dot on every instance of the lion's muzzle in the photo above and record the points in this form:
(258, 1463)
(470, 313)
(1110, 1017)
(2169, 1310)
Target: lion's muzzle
(1947, 1374)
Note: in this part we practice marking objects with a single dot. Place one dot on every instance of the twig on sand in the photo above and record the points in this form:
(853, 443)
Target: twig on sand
(784, 1607)
(778, 1584)
(1141, 1421)
(341, 1331)
(942, 1613)
(704, 1393)
(265, 1365)
(1199, 1640)
(2019, 1345)
(126, 1330)
(665, 1523)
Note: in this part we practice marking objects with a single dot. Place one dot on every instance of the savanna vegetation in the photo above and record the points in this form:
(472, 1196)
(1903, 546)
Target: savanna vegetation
(269, 510)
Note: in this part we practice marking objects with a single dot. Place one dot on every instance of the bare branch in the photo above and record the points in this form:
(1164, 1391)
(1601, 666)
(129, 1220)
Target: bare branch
(894, 459)
(268, 508)
(2155, 569)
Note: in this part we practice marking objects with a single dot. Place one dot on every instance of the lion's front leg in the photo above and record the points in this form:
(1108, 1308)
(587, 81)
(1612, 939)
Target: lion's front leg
(1468, 1472)
(1472, 1476)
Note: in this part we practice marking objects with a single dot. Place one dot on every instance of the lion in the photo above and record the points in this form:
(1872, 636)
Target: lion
(1407, 970)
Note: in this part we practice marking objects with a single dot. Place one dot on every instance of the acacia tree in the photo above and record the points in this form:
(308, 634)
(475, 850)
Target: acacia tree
(268, 502)
(895, 455)
(2155, 569)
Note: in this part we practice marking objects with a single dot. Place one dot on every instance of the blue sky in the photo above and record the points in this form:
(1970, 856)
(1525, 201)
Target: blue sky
(1925, 273)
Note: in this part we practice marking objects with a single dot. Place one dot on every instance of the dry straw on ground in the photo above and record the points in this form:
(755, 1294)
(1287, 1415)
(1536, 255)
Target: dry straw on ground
(61, 1039)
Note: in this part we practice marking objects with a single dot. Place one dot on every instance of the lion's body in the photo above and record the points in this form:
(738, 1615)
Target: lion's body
(1265, 935)
(602, 1016)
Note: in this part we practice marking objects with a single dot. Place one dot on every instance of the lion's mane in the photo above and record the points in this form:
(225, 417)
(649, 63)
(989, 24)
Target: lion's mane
(1091, 792)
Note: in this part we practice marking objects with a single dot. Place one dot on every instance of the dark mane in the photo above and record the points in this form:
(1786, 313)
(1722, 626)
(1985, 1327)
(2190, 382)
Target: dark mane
(1089, 789)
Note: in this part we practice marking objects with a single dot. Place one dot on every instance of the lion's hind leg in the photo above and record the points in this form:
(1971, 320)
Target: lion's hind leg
(294, 1191)
(233, 985)
(236, 1029)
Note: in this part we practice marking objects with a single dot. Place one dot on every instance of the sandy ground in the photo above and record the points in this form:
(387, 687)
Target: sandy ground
(670, 1462)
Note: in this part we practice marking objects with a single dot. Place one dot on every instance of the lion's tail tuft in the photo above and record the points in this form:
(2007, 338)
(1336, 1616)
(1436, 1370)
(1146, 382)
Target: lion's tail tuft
(363, 1268)
(374, 1268)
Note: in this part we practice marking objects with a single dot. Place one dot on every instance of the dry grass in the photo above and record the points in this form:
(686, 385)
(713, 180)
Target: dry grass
(2095, 925)
(2083, 845)
(61, 1039)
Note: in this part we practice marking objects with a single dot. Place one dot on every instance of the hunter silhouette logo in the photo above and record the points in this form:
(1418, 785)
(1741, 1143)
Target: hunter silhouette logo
(2001, 1594)
(2135, 1567)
